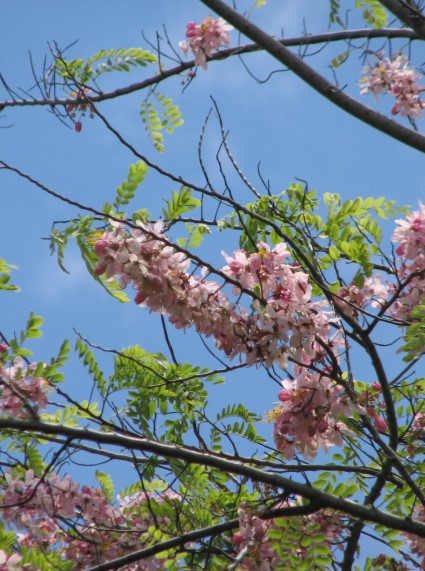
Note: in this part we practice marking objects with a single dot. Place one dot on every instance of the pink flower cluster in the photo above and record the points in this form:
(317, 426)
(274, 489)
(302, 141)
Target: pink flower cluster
(20, 392)
(205, 38)
(306, 421)
(351, 298)
(283, 321)
(80, 523)
(416, 432)
(10, 561)
(258, 552)
(410, 235)
(394, 76)
(417, 544)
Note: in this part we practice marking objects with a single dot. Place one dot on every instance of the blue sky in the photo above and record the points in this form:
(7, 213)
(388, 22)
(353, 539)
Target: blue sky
(293, 131)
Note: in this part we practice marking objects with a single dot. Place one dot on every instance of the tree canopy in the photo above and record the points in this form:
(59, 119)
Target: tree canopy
(267, 412)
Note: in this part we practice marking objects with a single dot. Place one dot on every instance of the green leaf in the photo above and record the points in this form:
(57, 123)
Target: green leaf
(180, 203)
(374, 14)
(127, 190)
(104, 61)
(106, 484)
(167, 119)
(5, 270)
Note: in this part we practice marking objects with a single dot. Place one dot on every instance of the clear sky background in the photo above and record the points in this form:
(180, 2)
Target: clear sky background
(293, 131)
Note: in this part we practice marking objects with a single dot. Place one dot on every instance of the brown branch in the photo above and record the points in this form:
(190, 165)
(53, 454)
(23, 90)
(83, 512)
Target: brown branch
(409, 13)
(330, 91)
(225, 463)
(344, 35)
(210, 531)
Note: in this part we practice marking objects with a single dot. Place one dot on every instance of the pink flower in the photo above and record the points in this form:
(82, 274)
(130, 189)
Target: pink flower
(209, 36)
(306, 421)
(9, 562)
(410, 235)
(20, 391)
(103, 531)
(398, 79)
(286, 321)
(380, 424)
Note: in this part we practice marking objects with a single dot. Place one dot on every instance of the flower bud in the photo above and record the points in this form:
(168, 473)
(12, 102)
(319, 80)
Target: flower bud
(380, 424)
(100, 247)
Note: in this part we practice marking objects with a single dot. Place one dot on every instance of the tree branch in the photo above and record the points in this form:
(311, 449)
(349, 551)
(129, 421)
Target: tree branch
(314, 39)
(209, 531)
(224, 463)
(409, 13)
(317, 81)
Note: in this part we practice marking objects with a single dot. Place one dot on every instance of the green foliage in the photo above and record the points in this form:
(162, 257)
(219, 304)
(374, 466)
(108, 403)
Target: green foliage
(107, 485)
(5, 270)
(82, 231)
(180, 203)
(244, 427)
(31, 331)
(89, 361)
(334, 13)
(340, 59)
(196, 234)
(70, 415)
(300, 551)
(167, 119)
(35, 459)
(50, 372)
(37, 559)
(374, 14)
(104, 61)
(350, 231)
(353, 233)
(127, 189)
(280, 214)
(415, 334)
(7, 538)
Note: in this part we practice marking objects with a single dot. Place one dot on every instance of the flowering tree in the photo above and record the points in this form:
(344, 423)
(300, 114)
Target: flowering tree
(331, 476)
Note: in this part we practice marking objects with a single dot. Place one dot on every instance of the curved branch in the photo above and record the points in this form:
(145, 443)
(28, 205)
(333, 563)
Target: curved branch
(409, 13)
(317, 81)
(344, 35)
(225, 463)
(209, 531)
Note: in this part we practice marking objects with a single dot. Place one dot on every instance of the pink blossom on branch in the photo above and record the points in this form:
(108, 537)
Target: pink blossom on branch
(20, 391)
(410, 237)
(79, 522)
(394, 76)
(352, 299)
(9, 561)
(260, 553)
(284, 322)
(307, 419)
(205, 38)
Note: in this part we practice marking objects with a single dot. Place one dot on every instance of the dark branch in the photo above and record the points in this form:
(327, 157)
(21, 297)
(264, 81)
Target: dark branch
(317, 81)
(224, 463)
(409, 13)
(344, 35)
